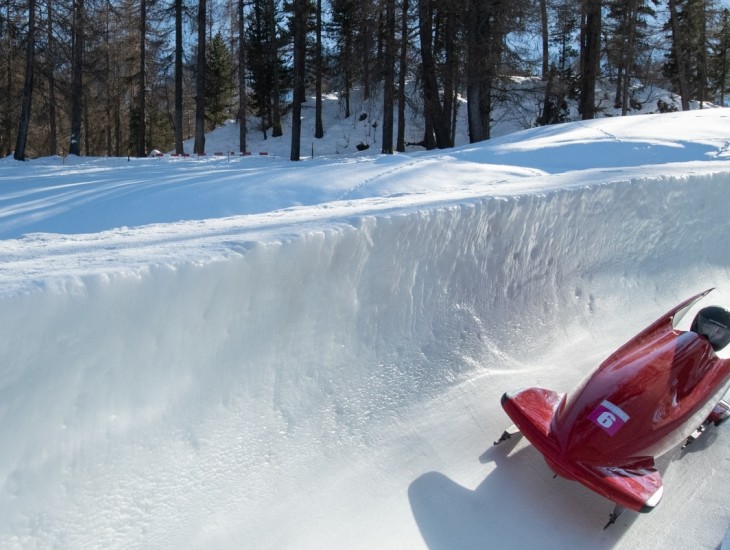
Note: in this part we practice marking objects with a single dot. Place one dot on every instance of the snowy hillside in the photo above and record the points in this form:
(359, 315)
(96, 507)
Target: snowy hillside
(252, 353)
(517, 110)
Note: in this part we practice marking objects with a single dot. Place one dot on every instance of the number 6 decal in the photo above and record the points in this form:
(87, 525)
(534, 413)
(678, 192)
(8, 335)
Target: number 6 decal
(609, 417)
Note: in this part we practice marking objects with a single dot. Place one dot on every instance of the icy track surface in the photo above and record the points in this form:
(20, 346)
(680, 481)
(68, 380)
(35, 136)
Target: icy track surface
(326, 373)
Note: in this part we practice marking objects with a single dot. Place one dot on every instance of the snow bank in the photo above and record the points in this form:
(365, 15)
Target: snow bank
(255, 398)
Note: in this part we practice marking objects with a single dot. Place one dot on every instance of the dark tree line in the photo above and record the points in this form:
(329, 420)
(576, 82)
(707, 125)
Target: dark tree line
(120, 77)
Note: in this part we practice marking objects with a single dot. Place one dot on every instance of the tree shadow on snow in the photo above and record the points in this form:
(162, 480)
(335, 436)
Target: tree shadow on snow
(518, 505)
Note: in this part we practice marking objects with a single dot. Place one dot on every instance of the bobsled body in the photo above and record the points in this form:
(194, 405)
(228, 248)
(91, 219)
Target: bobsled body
(643, 400)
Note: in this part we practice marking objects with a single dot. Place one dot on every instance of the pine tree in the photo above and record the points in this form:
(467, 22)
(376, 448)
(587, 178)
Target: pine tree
(720, 57)
(265, 65)
(626, 41)
(343, 26)
(219, 82)
(561, 79)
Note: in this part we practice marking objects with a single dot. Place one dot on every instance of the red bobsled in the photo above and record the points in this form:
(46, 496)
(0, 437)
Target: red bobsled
(662, 388)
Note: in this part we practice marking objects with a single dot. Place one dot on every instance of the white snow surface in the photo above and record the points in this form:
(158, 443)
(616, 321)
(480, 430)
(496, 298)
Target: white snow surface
(247, 352)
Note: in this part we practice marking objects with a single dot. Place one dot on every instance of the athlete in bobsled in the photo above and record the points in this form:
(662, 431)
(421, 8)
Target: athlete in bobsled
(662, 388)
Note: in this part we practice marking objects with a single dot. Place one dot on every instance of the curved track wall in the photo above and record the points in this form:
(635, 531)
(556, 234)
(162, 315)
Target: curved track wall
(162, 397)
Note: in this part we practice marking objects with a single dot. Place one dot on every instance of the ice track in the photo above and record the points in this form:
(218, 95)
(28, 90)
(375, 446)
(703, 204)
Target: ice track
(335, 382)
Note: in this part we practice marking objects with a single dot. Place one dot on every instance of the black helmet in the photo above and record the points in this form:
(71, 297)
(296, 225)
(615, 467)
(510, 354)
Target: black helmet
(713, 323)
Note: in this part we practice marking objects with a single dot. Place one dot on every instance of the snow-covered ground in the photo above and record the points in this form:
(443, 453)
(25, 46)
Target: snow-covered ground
(252, 353)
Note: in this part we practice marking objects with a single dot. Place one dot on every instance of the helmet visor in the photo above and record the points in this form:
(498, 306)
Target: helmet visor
(716, 332)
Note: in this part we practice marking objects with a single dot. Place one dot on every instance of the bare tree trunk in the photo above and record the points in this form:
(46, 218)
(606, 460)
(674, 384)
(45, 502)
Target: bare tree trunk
(621, 46)
(77, 76)
(347, 76)
(403, 65)
(86, 133)
(108, 103)
(261, 91)
(591, 52)
(276, 130)
(199, 147)
(449, 69)
(365, 44)
(300, 38)
(389, 77)
(117, 108)
(140, 145)
(478, 87)
(431, 104)
(702, 70)
(629, 55)
(8, 110)
(545, 32)
(179, 147)
(724, 47)
(242, 107)
(679, 54)
(618, 99)
(547, 104)
(27, 86)
(52, 129)
(318, 127)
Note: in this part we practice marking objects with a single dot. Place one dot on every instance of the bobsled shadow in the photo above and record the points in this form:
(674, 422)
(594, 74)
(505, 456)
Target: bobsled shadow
(518, 505)
(498, 454)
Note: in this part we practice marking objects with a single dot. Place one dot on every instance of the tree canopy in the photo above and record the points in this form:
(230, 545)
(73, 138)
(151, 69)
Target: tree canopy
(117, 77)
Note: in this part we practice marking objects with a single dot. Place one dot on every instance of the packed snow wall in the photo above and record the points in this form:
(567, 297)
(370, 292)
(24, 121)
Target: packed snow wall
(142, 406)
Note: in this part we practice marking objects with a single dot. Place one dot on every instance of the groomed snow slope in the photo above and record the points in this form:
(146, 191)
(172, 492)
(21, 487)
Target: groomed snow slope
(328, 376)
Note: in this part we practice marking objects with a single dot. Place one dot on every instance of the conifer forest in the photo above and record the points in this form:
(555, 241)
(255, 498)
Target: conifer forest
(123, 77)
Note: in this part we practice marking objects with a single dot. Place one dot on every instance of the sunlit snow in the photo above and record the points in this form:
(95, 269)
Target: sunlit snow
(245, 352)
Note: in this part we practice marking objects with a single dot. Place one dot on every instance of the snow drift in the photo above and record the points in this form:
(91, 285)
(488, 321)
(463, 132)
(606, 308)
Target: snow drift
(315, 379)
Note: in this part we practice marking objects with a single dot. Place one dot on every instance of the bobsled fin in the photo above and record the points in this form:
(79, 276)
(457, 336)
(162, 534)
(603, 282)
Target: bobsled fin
(681, 310)
(637, 486)
(532, 410)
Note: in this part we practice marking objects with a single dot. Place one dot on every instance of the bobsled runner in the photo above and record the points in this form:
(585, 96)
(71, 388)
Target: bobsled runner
(661, 389)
